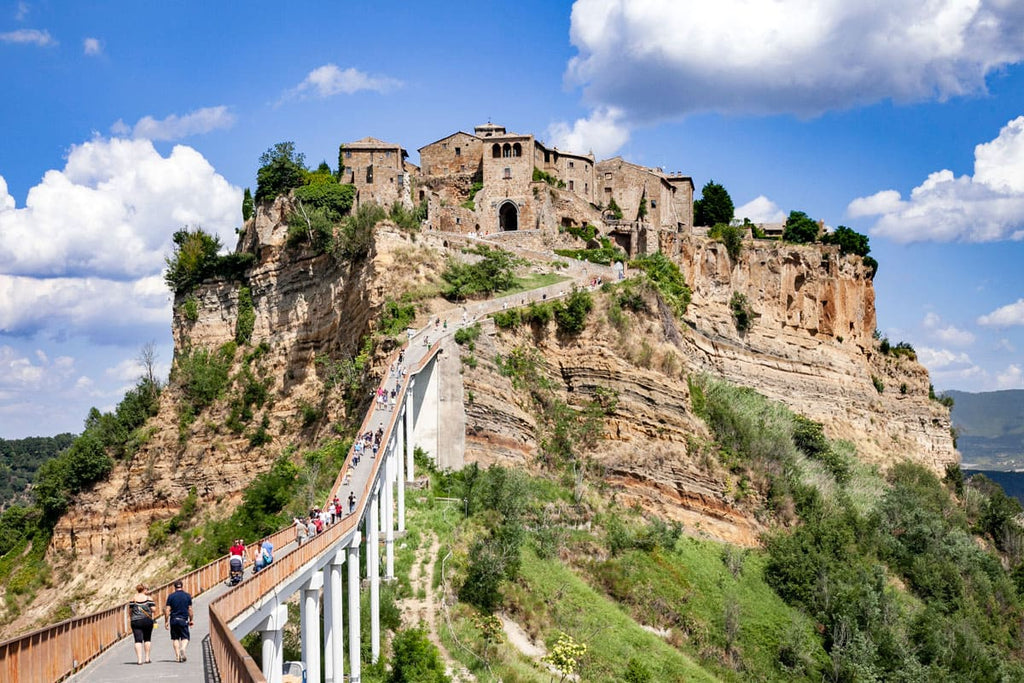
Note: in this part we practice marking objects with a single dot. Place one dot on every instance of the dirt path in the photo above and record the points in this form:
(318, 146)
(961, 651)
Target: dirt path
(418, 610)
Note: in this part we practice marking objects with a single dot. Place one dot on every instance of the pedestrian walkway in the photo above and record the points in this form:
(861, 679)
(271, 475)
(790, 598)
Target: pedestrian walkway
(118, 663)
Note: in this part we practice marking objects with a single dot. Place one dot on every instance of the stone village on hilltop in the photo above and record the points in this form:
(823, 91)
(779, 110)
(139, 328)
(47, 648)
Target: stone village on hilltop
(493, 181)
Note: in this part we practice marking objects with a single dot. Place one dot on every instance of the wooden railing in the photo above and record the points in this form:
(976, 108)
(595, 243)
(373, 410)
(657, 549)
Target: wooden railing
(54, 652)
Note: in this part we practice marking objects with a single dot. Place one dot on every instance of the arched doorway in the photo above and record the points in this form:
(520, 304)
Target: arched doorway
(508, 216)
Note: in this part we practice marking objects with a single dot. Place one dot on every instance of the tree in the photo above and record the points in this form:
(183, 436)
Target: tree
(247, 205)
(194, 258)
(281, 169)
(714, 206)
(849, 241)
(800, 228)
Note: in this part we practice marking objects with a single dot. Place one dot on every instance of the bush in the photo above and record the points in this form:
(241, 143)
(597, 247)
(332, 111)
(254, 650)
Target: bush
(494, 272)
(415, 659)
(667, 279)
(571, 317)
(396, 318)
(606, 255)
(586, 233)
(193, 259)
(326, 194)
(742, 314)
(467, 336)
(729, 235)
(354, 239)
(408, 220)
(879, 384)
(246, 320)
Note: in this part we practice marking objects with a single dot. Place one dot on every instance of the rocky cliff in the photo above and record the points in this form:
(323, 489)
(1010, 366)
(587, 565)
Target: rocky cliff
(809, 345)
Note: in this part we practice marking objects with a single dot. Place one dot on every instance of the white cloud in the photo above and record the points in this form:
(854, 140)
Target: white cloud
(1006, 345)
(175, 127)
(22, 11)
(663, 58)
(985, 207)
(1010, 378)
(760, 209)
(28, 36)
(948, 334)
(943, 359)
(97, 308)
(602, 133)
(329, 80)
(1005, 316)
(92, 47)
(110, 214)
(19, 373)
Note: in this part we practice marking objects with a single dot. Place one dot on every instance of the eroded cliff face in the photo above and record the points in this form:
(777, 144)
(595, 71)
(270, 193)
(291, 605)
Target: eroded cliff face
(306, 306)
(811, 346)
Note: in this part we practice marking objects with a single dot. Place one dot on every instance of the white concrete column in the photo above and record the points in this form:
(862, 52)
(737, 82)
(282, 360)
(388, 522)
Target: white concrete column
(273, 653)
(389, 516)
(410, 445)
(310, 625)
(354, 661)
(373, 569)
(400, 481)
(334, 613)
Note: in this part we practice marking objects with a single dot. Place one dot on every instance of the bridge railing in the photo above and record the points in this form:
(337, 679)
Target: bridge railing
(233, 663)
(54, 652)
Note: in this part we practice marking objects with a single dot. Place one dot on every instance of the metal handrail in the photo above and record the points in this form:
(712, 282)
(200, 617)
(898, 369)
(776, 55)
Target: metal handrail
(233, 663)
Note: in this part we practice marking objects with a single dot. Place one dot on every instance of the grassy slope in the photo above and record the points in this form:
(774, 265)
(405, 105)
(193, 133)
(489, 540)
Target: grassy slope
(690, 582)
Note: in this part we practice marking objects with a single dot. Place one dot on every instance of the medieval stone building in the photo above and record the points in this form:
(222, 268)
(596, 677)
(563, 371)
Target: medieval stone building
(492, 180)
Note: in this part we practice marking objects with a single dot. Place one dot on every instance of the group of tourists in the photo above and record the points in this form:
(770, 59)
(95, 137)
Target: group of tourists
(178, 618)
(319, 519)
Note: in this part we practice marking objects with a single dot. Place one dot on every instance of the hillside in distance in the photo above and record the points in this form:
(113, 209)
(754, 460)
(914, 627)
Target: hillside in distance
(991, 428)
(19, 460)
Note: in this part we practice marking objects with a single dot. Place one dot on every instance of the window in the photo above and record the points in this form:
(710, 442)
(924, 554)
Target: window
(462, 167)
(607, 190)
(458, 151)
(348, 154)
(387, 155)
(517, 150)
(508, 173)
(369, 174)
(444, 145)
(496, 151)
(458, 221)
(572, 165)
(506, 150)
(607, 176)
(571, 186)
(586, 188)
(654, 203)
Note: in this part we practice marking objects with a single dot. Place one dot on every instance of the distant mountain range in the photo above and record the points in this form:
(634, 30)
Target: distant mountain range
(991, 426)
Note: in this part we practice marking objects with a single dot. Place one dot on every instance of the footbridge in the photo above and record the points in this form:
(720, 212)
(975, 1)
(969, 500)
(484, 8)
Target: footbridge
(331, 573)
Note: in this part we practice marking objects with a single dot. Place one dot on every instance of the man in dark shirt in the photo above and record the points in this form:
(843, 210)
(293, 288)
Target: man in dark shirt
(178, 617)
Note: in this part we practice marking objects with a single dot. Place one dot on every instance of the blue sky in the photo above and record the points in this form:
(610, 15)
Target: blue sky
(124, 121)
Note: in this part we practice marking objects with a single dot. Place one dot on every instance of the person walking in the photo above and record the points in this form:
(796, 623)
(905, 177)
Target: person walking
(142, 611)
(178, 617)
(300, 532)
